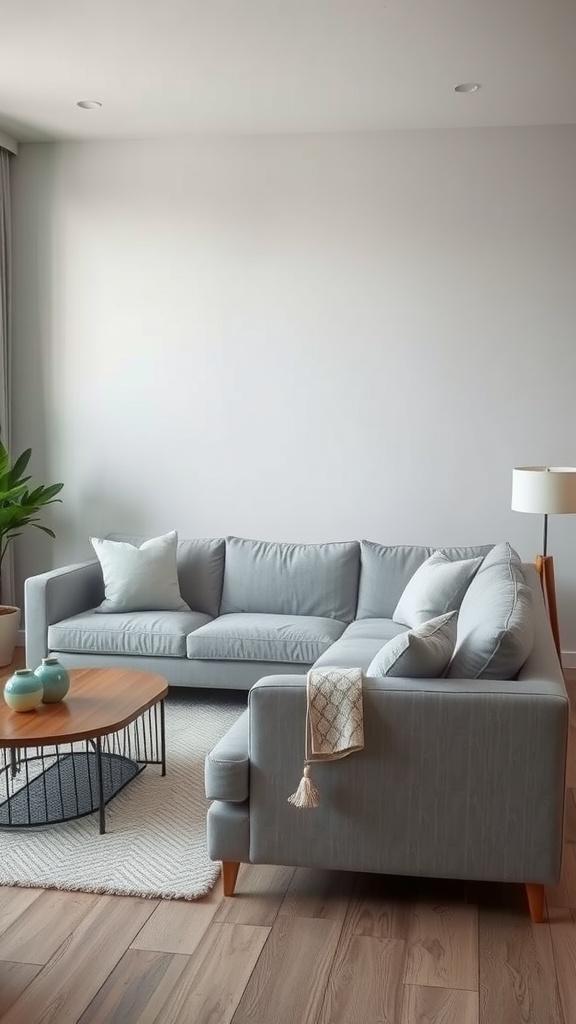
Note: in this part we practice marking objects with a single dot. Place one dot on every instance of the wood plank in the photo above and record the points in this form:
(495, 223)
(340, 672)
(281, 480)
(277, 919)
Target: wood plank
(380, 907)
(63, 989)
(260, 890)
(564, 894)
(177, 926)
(212, 984)
(322, 894)
(570, 818)
(14, 978)
(365, 983)
(138, 989)
(517, 974)
(13, 902)
(443, 946)
(428, 1005)
(38, 932)
(563, 933)
(291, 975)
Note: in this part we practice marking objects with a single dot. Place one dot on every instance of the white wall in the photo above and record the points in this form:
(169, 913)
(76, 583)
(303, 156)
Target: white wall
(299, 337)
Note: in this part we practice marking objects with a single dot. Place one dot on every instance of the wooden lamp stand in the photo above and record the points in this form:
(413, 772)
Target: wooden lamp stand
(545, 569)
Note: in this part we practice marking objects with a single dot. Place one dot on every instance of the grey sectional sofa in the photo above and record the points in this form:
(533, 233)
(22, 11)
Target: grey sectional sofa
(458, 777)
(256, 608)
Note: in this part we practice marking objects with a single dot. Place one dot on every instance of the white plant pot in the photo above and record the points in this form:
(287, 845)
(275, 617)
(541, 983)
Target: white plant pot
(9, 623)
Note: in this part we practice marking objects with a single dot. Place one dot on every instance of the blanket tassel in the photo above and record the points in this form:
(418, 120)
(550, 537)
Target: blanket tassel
(306, 795)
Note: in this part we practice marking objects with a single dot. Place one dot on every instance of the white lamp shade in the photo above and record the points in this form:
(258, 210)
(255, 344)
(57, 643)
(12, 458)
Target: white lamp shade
(547, 490)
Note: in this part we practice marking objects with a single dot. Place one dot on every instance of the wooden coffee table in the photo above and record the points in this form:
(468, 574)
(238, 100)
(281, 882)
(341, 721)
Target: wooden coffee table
(65, 760)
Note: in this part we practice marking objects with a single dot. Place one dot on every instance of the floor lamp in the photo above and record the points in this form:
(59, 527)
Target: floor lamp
(547, 491)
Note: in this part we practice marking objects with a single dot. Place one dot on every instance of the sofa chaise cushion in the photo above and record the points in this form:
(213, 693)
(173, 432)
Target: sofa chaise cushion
(496, 621)
(420, 653)
(291, 579)
(261, 637)
(157, 634)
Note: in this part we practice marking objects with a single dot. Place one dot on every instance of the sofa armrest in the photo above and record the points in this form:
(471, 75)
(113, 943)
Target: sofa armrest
(226, 767)
(56, 595)
(457, 779)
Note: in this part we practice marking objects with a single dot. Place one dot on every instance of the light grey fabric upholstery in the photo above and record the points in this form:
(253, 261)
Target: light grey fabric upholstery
(222, 675)
(373, 629)
(55, 595)
(157, 634)
(447, 785)
(287, 638)
(291, 579)
(228, 832)
(385, 572)
(359, 643)
(227, 765)
(200, 566)
(496, 622)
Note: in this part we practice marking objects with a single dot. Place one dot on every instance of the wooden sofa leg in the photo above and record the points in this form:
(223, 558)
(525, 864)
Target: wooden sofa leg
(229, 875)
(535, 894)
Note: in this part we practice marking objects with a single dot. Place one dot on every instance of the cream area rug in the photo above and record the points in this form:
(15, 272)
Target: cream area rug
(155, 840)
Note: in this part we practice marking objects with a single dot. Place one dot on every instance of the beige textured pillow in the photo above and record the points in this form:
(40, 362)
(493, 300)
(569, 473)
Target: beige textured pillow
(421, 653)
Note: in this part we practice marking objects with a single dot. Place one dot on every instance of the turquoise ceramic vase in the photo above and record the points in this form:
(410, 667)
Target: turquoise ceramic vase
(54, 679)
(23, 691)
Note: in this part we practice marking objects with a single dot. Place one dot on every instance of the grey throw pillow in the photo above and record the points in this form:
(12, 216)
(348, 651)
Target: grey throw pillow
(139, 579)
(437, 586)
(496, 623)
(421, 653)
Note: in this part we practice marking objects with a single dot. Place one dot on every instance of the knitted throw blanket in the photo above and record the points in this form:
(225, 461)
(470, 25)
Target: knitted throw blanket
(334, 723)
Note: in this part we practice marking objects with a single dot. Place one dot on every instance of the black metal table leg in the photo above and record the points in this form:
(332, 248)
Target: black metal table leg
(163, 737)
(101, 803)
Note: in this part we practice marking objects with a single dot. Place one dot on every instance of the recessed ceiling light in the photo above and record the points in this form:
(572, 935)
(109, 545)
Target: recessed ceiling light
(467, 87)
(89, 104)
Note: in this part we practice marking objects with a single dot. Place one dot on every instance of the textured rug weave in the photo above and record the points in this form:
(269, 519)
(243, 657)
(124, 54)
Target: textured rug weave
(155, 840)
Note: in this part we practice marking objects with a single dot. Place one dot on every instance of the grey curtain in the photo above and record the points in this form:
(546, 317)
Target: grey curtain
(7, 595)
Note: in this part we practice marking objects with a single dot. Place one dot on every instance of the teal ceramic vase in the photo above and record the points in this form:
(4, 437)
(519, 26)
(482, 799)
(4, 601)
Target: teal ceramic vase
(54, 679)
(23, 691)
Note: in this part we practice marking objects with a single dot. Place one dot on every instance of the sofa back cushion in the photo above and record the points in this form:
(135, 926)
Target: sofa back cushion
(496, 621)
(200, 565)
(291, 579)
(385, 572)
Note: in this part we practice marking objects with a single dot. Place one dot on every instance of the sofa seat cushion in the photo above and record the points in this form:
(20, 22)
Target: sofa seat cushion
(360, 643)
(247, 636)
(156, 634)
(374, 629)
(496, 621)
(226, 768)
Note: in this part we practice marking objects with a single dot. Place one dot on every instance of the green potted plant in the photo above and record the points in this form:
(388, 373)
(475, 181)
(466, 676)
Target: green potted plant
(19, 508)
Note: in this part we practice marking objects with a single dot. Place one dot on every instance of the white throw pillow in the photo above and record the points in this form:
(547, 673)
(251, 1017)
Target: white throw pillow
(437, 586)
(421, 653)
(140, 579)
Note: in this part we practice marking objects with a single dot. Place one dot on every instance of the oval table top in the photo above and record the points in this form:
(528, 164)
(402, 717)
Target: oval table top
(99, 701)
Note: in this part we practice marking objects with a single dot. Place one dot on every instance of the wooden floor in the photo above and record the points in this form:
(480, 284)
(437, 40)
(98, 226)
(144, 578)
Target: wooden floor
(296, 947)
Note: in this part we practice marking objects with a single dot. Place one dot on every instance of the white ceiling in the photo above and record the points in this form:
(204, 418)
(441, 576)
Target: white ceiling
(169, 67)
